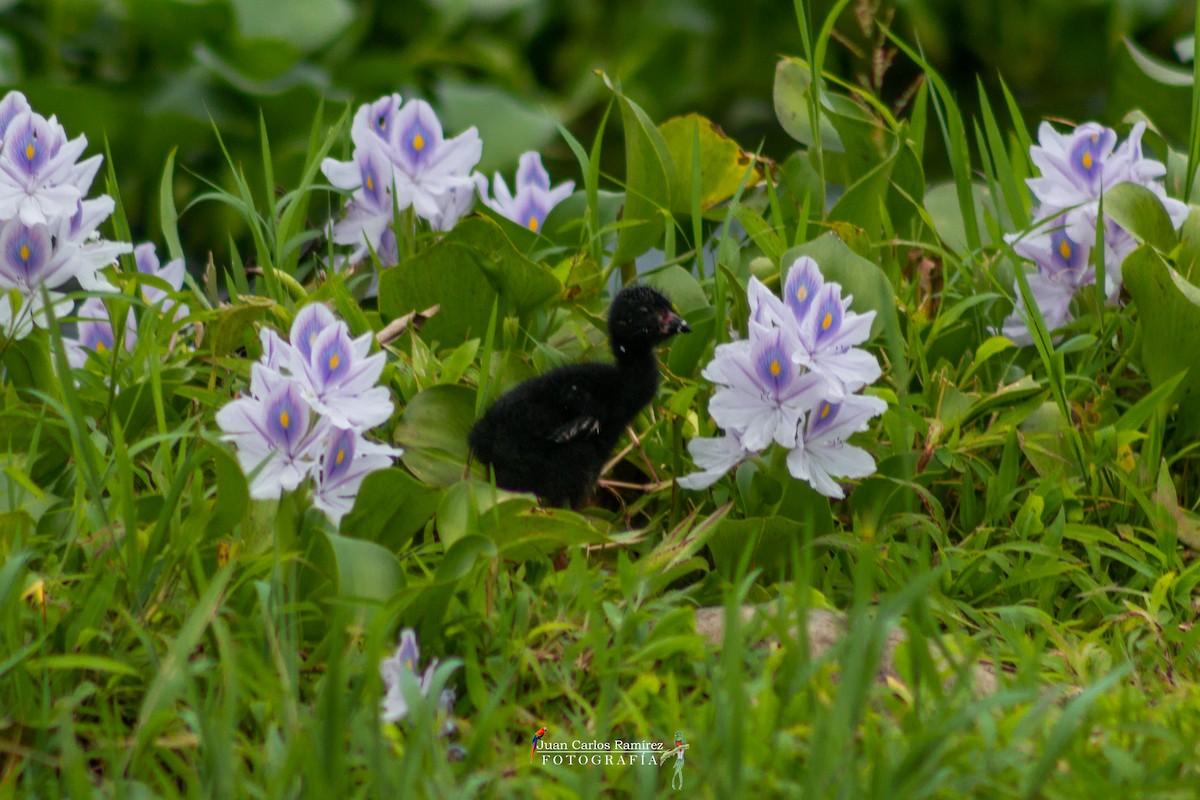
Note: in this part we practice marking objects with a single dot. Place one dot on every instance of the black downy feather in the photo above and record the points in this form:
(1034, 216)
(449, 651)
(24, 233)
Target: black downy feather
(552, 434)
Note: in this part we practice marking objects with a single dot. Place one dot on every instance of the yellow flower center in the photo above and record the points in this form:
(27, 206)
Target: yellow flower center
(1087, 160)
(341, 455)
(824, 410)
(775, 368)
(24, 252)
(284, 420)
(100, 348)
(533, 223)
(370, 184)
(418, 142)
(802, 293)
(334, 361)
(29, 151)
(1064, 250)
(827, 321)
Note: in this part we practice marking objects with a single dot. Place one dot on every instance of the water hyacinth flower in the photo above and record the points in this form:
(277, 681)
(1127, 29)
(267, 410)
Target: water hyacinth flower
(311, 400)
(823, 453)
(714, 456)
(792, 382)
(95, 333)
(429, 166)
(828, 330)
(1062, 269)
(367, 224)
(48, 230)
(401, 159)
(275, 433)
(145, 257)
(348, 459)
(763, 394)
(533, 199)
(36, 162)
(1077, 168)
(401, 665)
(337, 374)
(27, 263)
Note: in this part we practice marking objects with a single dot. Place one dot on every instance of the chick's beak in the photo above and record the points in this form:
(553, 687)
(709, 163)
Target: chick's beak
(673, 324)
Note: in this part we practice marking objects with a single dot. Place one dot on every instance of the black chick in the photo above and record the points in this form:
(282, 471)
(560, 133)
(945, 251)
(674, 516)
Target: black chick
(552, 434)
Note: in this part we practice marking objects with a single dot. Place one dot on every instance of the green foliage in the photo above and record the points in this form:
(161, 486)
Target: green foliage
(1014, 586)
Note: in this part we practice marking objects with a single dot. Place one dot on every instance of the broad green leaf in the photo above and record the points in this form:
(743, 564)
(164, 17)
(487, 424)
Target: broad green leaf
(793, 77)
(1140, 212)
(525, 531)
(365, 570)
(433, 432)
(464, 273)
(1143, 83)
(303, 24)
(941, 202)
(864, 201)
(1169, 317)
(723, 163)
(680, 287)
(1187, 260)
(650, 183)
(461, 506)
(507, 124)
(391, 507)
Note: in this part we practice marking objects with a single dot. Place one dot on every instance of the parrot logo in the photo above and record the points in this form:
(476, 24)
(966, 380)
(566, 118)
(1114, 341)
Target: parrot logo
(537, 737)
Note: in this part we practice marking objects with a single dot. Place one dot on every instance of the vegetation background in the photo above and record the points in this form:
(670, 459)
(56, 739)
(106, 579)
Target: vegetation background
(1019, 577)
(152, 75)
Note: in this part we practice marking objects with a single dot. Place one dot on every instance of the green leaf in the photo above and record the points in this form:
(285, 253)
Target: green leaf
(82, 661)
(650, 182)
(1140, 212)
(1187, 259)
(365, 570)
(232, 500)
(507, 124)
(1142, 83)
(863, 201)
(303, 24)
(391, 507)
(234, 326)
(769, 540)
(168, 217)
(793, 77)
(723, 163)
(464, 273)
(680, 287)
(1169, 318)
(433, 432)
(941, 202)
(175, 668)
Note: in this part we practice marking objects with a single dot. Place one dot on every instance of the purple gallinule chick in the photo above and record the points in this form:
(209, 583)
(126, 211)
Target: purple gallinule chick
(552, 434)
